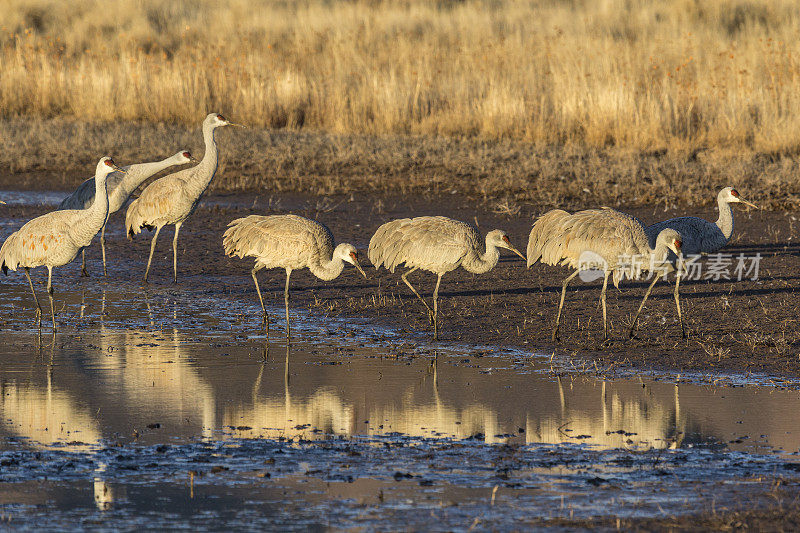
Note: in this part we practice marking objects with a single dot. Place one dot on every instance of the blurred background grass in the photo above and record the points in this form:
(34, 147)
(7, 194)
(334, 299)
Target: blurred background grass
(680, 80)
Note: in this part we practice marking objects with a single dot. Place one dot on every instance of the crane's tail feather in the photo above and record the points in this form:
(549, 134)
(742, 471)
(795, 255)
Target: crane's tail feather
(8, 257)
(133, 220)
(548, 238)
(245, 237)
(388, 246)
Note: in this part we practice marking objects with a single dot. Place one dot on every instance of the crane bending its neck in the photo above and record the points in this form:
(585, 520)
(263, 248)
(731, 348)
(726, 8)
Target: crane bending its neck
(482, 263)
(328, 269)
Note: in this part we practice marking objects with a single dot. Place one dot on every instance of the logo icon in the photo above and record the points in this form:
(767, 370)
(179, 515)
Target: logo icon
(591, 266)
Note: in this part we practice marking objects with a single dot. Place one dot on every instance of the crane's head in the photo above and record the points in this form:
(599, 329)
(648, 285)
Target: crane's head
(348, 254)
(105, 167)
(731, 195)
(500, 239)
(183, 157)
(215, 120)
(671, 239)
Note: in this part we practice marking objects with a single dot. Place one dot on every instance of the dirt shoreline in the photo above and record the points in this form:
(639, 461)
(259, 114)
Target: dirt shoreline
(743, 327)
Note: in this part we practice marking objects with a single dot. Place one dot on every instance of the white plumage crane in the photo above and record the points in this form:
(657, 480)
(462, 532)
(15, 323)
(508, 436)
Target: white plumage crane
(699, 235)
(290, 242)
(171, 199)
(120, 187)
(437, 244)
(608, 238)
(55, 239)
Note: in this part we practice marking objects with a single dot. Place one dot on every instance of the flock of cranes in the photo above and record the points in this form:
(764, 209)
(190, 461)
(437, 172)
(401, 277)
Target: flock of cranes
(436, 244)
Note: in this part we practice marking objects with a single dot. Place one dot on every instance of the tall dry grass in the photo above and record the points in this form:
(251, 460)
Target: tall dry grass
(628, 74)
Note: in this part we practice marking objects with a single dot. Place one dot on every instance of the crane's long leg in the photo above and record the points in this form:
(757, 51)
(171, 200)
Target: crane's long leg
(84, 273)
(603, 301)
(561, 304)
(152, 249)
(103, 248)
(436, 309)
(678, 298)
(35, 299)
(646, 294)
(175, 253)
(261, 299)
(50, 293)
(405, 279)
(286, 300)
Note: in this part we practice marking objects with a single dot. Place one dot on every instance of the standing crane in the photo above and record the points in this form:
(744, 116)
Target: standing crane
(120, 187)
(436, 244)
(604, 237)
(699, 235)
(290, 242)
(171, 199)
(54, 239)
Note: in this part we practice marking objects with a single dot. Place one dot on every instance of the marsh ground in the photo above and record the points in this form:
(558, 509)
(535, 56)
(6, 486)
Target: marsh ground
(747, 326)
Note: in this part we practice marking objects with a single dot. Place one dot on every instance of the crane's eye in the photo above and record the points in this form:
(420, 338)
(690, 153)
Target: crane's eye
(505, 239)
(110, 162)
(187, 155)
(734, 193)
(220, 117)
(678, 244)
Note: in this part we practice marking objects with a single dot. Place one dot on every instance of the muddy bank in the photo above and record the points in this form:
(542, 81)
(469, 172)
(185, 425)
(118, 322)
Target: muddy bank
(747, 326)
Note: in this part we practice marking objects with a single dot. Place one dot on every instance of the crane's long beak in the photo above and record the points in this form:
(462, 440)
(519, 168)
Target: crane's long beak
(355, 264)
(119, 169)
(749, 204)
(237, 125)
(360, 270)
(513, 249)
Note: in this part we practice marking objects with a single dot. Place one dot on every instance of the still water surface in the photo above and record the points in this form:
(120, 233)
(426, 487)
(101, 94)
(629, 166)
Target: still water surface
(133, 371)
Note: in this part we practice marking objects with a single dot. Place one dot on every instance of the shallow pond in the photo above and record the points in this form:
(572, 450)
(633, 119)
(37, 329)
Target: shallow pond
(170, 405)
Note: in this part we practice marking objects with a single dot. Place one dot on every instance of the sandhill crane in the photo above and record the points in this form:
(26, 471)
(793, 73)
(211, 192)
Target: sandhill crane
(699, 235)
(290, 242)
(436, 244)
(55, 239)
(120, 186)
(608, 238)
(171, 199)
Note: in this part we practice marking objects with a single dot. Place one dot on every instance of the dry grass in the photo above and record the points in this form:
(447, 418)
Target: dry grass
(634, 74)
(58, 154)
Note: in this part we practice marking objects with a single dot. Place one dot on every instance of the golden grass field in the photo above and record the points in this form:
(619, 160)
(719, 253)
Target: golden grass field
(707, 80)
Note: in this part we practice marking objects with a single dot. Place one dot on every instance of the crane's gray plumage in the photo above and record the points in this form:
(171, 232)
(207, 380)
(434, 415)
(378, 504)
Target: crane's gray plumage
(699, 235)
(290, 242)
(171, 199)
(436, 244)
(54, 239)
(120, 186)
(561, 238)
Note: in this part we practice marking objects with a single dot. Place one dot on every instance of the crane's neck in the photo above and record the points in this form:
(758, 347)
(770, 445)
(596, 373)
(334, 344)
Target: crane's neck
(482, 263)
(95, 216)
(205, 170)
(725, 220)
(136, 175)
(328, 269)
(660, 254)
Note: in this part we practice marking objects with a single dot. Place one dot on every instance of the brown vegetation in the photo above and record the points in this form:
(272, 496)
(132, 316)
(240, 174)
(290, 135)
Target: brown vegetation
(58, 154)
(640, 74)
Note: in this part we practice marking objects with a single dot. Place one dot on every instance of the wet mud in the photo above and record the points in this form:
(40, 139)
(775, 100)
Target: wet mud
(747, 327)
